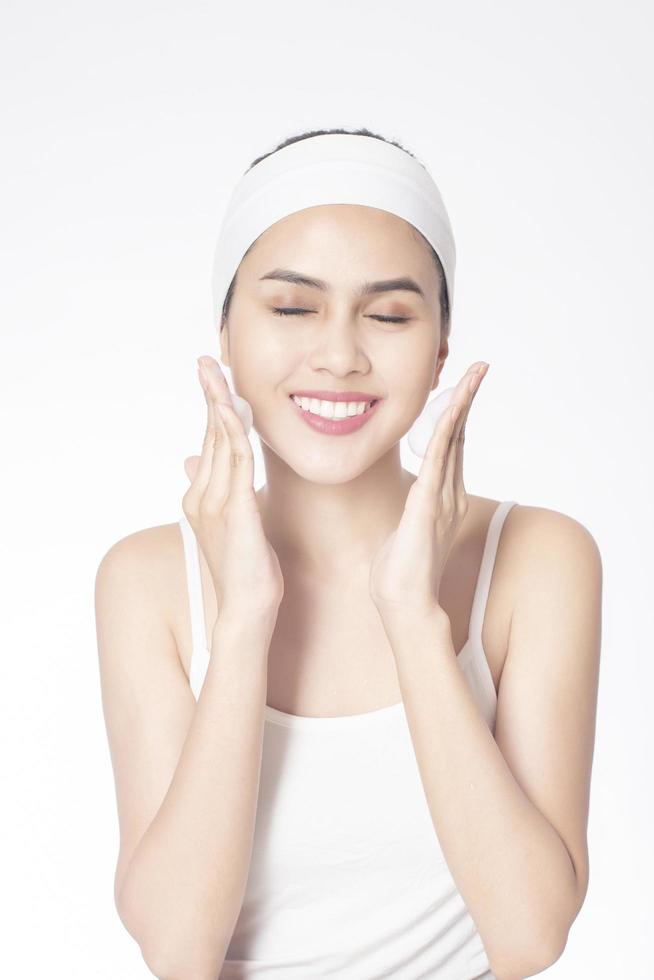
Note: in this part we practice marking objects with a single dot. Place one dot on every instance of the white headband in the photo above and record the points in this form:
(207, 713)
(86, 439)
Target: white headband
(333, 168)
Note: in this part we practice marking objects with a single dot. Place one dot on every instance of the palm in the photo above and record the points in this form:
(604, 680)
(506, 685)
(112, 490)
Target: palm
(191, 464)
(407, 570)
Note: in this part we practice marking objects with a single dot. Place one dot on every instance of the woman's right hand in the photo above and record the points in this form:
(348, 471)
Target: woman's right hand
(222, 508)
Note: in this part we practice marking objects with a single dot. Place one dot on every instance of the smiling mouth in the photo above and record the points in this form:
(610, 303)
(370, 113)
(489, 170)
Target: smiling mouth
(332, 410)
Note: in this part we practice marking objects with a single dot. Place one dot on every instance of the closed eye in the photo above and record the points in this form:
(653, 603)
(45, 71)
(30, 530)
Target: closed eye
(291, 311)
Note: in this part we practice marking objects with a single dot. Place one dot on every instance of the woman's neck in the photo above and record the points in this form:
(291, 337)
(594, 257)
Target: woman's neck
(336, 528)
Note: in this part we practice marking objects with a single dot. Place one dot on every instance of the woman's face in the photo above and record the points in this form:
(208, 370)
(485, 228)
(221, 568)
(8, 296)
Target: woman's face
(338, 344)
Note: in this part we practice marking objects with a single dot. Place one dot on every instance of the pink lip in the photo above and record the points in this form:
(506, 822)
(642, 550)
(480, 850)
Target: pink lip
(336, 427)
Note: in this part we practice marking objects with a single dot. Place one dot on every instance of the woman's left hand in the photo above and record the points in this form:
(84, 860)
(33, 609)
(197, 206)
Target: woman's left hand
(405, 574)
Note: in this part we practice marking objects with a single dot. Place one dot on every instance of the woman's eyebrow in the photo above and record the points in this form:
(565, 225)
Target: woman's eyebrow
(380, 286)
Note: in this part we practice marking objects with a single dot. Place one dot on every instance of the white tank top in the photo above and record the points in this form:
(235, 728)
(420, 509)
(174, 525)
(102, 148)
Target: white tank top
(347, 877)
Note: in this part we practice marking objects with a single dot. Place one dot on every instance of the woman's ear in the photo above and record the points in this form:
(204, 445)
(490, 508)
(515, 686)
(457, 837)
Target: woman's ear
(443, 352)
(224, 344)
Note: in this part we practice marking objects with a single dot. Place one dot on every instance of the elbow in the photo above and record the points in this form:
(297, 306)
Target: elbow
(167, 963)
(164, 962)
(516, 967)
(527, 952)
(520, 959)
(165, 966)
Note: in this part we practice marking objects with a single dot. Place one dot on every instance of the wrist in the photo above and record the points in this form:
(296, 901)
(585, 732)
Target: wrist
(253, 622)
(406, 616)
(416, 631)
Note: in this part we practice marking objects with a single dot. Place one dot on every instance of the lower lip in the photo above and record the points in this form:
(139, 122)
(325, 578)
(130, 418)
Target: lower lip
(336, 427)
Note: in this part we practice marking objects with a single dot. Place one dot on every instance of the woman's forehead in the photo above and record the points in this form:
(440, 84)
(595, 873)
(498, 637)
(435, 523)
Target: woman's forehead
(329, 232)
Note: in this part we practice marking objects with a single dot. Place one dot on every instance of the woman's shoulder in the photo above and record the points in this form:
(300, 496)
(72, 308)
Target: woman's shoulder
(532, 536)
(535, 538)
(531, 517)
(153, 556)
(156, 545)
(531, 524)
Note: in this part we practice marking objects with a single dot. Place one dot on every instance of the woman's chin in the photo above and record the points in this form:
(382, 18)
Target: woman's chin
(328, 465)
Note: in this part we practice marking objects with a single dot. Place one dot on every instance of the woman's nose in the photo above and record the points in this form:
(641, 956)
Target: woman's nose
(339, 347)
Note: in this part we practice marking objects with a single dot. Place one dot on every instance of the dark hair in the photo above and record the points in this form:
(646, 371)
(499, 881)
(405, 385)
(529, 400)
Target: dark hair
(443, 295)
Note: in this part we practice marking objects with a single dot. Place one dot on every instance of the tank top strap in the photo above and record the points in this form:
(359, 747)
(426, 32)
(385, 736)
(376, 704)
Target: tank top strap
(482, 588)
(194, 584)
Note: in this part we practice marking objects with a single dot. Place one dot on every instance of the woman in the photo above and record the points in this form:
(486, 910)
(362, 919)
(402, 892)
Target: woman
(351, 714)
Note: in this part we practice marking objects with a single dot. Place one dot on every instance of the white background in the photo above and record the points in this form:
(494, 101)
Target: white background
(125, 127)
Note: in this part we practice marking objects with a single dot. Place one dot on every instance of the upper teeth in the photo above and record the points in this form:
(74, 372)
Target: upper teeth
(331, 410)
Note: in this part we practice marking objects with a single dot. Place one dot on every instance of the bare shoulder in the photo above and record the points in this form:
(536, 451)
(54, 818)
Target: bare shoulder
(150, 559)
(534, 534)
(554, 566)
(537, 547)
(524, 521)
(160, 543)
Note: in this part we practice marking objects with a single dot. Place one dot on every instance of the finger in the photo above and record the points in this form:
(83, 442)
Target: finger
(217, 392)
(464, 393)
(452, 485)
(215, 435)
(235, 453)
(430, 476)
(423, 499)
(199, 473)
(191, 464)
(425, 495)
(241, 458)
(217, 486)
(470, 389)
(216, 379)
(459, 487)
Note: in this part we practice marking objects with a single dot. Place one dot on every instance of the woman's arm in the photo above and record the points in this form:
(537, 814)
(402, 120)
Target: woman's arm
(181, 888)
(511, 811)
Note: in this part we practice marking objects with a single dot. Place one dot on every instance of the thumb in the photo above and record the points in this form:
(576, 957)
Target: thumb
(191, 464)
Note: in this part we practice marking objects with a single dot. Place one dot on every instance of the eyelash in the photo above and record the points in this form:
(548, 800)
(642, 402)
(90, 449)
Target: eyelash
(292, 311)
